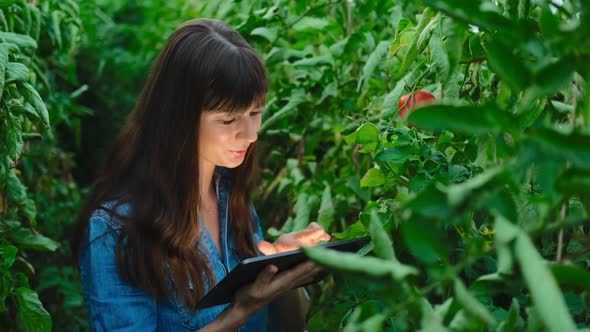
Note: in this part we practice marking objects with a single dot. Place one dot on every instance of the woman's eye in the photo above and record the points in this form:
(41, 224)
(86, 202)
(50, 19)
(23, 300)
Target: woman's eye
(255, 113)
(228, 122)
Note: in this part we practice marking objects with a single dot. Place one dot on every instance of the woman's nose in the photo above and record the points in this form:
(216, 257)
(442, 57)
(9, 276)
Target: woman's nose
(249, 130)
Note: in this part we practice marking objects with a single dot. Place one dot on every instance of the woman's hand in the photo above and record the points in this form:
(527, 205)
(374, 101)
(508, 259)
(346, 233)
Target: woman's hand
(251, 298)
(309, 236)
(269, 284)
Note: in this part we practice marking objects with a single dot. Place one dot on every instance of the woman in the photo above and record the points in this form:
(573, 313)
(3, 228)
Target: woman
(170, 213)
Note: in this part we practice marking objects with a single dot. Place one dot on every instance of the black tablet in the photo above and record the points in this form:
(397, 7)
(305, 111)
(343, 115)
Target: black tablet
(247, 270)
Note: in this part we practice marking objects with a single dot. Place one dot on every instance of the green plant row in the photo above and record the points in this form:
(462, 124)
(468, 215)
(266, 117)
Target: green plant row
(477, 204)
(36, 41)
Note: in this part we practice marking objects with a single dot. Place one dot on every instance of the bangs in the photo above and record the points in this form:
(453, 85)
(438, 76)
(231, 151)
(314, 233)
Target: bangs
(238, 83)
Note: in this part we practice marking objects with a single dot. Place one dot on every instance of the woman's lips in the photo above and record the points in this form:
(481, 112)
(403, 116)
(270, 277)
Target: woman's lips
(239, 152)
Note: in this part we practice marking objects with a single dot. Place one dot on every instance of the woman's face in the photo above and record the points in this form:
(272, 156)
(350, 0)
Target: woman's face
(224, 138)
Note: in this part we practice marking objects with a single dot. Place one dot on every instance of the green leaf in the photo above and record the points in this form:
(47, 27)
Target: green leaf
(505, 261)
(570, 276)
(373, 323)
(497, 199)
(310, 23)
(462, 321)
(430, 202)
(370, 266)
(574, 147)
(513, 322)
(287, 228)
(35, 21)
(506, 232)
(430, 321)
(424, 241)
(471, 305)
(546, 295)
(562, 107)
(7, 256)
(22, 41)
(298, 96)
(30, 313)
(469, 119)
(439, 58)
(548, 22)
(455, 38)
(17, 192)
(326, 212)
(372, 62)
(392, 97)
(12, 136)
(471, 12)
(396, 154)
(269, 34)
(425, 33)
(383, 244)
(427, 16)
(575, 302)
(28, 239)
(544, 290)
(355, 230)
(373, 178)
(29, 210)
(3, 64)
(25, 110)
(366, 134)
(458, 173)
(56, 17)
(32, 96)
(554, 76)
(315, 61)
(458, 192)
(507, 65)
(503, 95)
(574, 182)
(16, 71)
(302, 210)
(505, 235)
(4, 4)
(402, 41)
(417, 182)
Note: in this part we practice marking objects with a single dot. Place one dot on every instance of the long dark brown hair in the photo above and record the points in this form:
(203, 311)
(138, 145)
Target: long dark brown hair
(205, 65)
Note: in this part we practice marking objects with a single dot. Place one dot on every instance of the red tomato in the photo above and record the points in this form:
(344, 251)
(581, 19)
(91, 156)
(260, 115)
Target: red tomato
(405, 104)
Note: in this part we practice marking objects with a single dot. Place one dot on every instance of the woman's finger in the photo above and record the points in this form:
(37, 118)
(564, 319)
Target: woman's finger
(314, 225)
(267, 248)
(309, 235)
(305, 279)
(265, 277)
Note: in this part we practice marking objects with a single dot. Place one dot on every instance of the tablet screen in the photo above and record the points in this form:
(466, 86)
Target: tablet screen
(248, 269)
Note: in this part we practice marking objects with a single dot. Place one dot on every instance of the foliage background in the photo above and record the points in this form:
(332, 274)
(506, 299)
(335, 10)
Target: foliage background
(478, 212)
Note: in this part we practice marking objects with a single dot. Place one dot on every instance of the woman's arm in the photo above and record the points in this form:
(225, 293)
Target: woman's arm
(113, 305)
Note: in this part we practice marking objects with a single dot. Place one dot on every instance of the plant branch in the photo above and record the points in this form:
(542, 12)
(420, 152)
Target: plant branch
(559, 246)
(307, 12)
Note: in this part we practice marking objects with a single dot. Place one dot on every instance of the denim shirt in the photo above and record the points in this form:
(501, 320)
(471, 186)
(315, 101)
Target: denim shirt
(115, 305)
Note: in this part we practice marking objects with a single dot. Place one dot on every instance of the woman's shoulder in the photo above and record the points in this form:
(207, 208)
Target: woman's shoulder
(106, 219)
(112, 211)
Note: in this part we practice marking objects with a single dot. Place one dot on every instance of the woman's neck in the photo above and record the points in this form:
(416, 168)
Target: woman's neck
(206, 186)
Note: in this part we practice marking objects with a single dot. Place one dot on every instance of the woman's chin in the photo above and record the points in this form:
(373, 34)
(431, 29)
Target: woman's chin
(233, 163)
